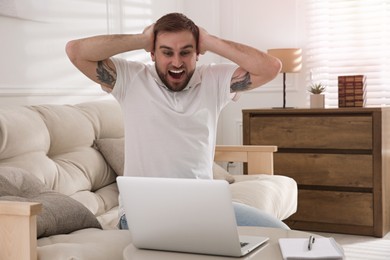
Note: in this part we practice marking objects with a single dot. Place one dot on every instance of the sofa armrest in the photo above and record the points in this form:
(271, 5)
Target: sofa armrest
(18, 230)
(260, 158)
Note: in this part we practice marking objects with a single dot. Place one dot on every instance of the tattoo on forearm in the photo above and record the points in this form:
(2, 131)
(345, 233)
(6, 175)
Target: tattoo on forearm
(105, 73)
(240, 83)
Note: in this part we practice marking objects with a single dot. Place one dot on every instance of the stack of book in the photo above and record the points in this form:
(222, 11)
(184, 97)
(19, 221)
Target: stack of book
(352, 90)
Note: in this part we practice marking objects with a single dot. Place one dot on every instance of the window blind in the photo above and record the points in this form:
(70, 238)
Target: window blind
(349, 37)
(135, 16)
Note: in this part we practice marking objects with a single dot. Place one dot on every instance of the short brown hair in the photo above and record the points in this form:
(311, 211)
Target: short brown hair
(176, 22)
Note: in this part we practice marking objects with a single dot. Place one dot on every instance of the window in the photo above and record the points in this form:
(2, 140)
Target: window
(349, 37)
(130, 16)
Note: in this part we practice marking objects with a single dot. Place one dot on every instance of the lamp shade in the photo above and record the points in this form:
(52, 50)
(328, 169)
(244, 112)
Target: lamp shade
(291, 59)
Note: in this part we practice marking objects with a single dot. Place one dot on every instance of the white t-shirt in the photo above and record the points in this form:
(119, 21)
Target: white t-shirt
(170, 134)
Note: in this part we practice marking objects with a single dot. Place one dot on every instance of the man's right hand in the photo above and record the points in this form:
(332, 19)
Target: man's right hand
(149, 33)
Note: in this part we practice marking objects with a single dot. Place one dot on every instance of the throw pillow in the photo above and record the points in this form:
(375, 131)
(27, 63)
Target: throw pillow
(113, 150)
(60, 213)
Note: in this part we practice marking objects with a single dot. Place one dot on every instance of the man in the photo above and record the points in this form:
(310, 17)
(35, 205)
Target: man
(171, 109)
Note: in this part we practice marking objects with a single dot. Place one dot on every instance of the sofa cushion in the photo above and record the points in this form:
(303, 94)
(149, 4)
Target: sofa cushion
(61, 214)
(275, 194)
(55, 144)
(112, 150)
(86, 244)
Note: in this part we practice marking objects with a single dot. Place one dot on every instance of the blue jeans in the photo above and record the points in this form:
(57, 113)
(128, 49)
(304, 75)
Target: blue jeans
(250, 216)
(245, 216)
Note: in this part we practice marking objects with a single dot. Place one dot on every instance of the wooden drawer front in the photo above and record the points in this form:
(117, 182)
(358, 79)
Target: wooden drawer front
(318, 132)
(341, 170)
(349, 208)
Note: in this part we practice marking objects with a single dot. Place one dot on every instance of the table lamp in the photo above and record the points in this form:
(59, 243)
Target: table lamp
(291, 59)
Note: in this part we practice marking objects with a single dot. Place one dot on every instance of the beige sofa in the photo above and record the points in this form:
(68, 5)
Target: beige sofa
(58, 166)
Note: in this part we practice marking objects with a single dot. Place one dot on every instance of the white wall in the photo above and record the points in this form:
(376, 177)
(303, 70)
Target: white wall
(35, 69)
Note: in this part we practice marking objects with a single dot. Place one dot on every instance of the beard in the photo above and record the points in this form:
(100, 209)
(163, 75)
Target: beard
(168, 78)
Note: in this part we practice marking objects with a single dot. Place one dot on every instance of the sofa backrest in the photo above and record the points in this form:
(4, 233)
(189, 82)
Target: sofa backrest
(55, 143)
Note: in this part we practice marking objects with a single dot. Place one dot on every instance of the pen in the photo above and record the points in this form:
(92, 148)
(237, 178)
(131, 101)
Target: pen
(311, 242)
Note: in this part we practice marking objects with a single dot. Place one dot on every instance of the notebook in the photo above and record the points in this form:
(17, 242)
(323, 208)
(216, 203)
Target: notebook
(322, 248)
(183, 215)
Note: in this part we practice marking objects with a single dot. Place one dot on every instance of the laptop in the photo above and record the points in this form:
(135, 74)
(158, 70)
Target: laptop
(183, 215)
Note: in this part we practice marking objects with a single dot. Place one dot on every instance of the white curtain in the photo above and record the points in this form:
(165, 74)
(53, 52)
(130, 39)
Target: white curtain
(349, 37)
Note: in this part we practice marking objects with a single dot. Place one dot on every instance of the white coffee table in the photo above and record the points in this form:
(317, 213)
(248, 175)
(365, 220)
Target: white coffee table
(269, 251)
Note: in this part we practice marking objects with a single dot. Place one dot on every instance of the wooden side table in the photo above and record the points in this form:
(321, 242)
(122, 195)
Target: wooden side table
(340, 160)
(271, 250)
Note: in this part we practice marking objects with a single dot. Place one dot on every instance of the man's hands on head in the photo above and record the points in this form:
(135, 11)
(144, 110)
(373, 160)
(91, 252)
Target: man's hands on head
(255, 67)
(149, 34)
(202, 44)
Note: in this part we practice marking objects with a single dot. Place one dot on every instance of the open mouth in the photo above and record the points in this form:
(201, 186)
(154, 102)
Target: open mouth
(176, 74)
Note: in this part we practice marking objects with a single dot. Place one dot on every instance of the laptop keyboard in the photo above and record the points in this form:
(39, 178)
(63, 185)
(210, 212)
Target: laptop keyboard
(243, 244)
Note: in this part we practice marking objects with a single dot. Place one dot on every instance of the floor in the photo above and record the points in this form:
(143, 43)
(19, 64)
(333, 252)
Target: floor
(362, 247)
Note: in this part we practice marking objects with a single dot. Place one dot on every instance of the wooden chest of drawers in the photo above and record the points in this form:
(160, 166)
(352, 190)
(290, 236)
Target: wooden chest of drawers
(340, 160)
